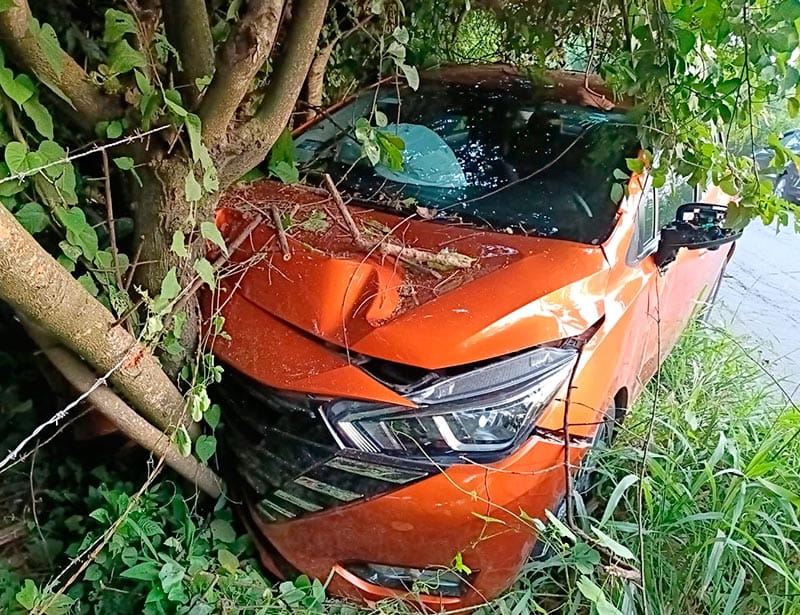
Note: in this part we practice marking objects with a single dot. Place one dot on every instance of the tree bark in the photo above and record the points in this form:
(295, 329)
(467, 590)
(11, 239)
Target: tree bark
(252, 142)
(41, 290)
(243, 54)
(124, 417)
(186, 23)
(89, 105)
(161, 209)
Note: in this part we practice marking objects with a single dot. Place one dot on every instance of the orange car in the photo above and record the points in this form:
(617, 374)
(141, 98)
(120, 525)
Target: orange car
(406, 366)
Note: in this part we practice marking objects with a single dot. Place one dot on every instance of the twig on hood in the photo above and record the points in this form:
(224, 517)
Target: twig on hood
(348, 217)
(435, 260)
(283, 242)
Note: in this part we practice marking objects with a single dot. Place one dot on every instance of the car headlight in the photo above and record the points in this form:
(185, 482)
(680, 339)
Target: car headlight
(488, 410)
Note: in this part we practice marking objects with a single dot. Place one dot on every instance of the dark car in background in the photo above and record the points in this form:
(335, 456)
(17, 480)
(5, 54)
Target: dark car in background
(787, 180)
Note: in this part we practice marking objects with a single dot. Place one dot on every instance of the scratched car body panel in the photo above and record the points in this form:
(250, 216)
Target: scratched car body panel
(378, 411)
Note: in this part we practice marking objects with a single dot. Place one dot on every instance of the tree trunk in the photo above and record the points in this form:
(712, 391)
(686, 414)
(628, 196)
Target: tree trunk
(41, 290)
(161, 209)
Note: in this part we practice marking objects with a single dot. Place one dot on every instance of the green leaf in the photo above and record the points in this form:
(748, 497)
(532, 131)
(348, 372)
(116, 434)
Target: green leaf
(285, 172)
(179, 244)
(228, 560)
(617, 192)
(123, 58)
(201, 83)
(171, 575)
(87, 281)
(170, 287)
(210, 232)
(616, 496)
(182, 441)
(173, 101)
(115, 129)
(686, 41)
(793, 106)
(117, 25)
(223, 531)
(28, 595)
(48, 44)
(41, 117)
(124, 163)
(79, 232)
(206, 272)
(635, 165)
(213, 415)
(562, 529)
(16, 156)
(612, 545)
(283, 159)
(193, 190)
(7, 4)
(32, 217)
(205, 447)
(317, 222)
(411, 75)
(17, 89)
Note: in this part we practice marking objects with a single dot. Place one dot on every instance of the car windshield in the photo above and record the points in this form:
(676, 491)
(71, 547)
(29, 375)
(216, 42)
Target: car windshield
(504, 159)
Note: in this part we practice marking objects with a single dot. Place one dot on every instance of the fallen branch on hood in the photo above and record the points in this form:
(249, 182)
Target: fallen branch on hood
(438, 261)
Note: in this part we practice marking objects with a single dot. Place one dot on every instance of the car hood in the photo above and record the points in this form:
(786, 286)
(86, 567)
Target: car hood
(297, 320)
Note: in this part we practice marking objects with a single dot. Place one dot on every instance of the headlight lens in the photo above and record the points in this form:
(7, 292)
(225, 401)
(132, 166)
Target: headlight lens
(487, 410)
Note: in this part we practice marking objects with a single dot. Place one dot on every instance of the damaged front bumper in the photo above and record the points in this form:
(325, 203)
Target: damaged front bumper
(387, 497)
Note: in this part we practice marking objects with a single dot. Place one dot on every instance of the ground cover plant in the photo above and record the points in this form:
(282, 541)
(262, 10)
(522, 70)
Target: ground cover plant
(711, 520)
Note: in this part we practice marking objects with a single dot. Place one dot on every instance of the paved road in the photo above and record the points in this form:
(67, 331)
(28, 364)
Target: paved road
(760, 299)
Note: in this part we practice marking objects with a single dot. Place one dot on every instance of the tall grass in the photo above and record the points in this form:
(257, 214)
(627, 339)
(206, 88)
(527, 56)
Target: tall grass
(718, 520)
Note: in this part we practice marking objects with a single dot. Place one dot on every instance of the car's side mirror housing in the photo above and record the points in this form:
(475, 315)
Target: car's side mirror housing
(696, 226)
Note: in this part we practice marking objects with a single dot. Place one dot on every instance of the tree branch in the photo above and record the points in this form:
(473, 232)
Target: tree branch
(123, 416)
(252, 142)
(188, 29)
(88, 103)
(41, 290)
(315, 82)
(243, 54)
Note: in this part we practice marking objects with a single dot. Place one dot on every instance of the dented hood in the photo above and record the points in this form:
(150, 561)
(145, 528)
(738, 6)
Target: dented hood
(295, 319)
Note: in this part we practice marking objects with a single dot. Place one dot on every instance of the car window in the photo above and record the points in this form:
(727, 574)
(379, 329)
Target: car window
(646, 221)
(504, 159)
(675, 192)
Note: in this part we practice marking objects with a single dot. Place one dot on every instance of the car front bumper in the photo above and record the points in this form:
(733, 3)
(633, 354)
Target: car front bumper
(481, 512)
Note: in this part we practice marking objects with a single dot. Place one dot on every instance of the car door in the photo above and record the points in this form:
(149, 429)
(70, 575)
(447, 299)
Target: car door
(684, 285)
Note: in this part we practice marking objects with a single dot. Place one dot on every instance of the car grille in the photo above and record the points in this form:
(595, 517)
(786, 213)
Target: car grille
(280, 452)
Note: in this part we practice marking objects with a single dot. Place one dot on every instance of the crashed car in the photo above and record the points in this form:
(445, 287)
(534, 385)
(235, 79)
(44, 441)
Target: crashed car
(407, 350)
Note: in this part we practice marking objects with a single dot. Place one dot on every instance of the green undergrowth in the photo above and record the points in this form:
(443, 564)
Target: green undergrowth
(716, 515)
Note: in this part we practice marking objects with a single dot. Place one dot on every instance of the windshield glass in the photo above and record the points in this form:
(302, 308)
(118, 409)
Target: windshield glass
(504, 159)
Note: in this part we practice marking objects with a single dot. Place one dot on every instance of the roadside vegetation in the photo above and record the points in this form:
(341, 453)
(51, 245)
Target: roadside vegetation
(116, 103)
(712, 524)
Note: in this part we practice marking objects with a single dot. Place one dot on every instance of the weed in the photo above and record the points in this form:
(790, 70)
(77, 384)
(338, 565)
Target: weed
(719, 522)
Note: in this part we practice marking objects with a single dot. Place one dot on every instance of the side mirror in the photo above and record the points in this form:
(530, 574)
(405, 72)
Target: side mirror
(696, 226)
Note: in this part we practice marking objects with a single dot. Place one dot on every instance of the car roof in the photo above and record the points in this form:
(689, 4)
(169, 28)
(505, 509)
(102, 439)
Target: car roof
(565, 86)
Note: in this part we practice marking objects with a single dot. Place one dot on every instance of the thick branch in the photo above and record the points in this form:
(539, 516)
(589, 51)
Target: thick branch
(315, 82)
(253, 141)
(89, 104)
(42, 291)
(189, 32)
(243, 54)
(123, 416)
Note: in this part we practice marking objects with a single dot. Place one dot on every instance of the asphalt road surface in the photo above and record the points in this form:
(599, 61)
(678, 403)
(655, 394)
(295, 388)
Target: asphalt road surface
(760, 299)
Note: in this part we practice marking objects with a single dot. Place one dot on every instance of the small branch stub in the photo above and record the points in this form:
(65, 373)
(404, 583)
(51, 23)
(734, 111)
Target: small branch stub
(280, 232)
